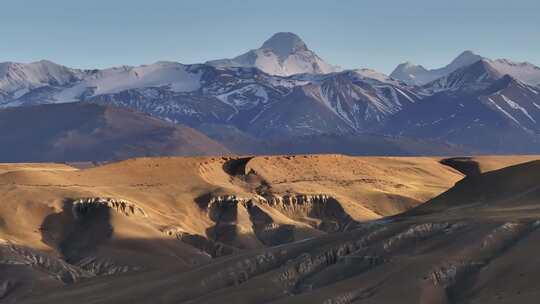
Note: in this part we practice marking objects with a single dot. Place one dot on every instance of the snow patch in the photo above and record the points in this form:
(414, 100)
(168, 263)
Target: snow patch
(516, 106)
(503, 111)
(115, 80)
(242, 97)
(404, 94)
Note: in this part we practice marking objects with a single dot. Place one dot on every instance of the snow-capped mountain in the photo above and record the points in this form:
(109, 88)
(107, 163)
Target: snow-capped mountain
(483, 72)
(477, 76)
(177, 77)
(47, 82)
(270, 106)
(476, 106)
(340, 103)
(517, 102)
(17, 79)
(473, 101)
(419, 75)
(244, 97)
(524, 71)
(284, 54)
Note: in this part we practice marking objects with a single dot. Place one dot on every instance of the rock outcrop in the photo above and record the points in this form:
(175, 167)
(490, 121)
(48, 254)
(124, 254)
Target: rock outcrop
(326, 212)
(83, 205)
(13, 254)
(469, 261)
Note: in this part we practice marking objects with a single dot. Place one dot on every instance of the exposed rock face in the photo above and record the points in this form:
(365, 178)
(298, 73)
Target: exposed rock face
(452, 273)
(475, 258)
(418, 232)
(350, 296)
(223, 210)
(375, 248)
(58, 269)
(330, 215)
(102, 266)
(321, 211)
(86, 227)
(83, 205)
(309, 264)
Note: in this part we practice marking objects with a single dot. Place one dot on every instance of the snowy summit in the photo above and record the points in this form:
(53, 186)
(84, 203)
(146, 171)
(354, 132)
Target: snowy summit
(284, 54)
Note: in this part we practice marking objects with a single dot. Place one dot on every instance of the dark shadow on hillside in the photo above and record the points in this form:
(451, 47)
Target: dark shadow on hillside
(465, 165)
(78, 230)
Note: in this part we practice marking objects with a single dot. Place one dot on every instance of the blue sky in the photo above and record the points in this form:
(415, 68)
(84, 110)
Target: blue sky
(350, 33)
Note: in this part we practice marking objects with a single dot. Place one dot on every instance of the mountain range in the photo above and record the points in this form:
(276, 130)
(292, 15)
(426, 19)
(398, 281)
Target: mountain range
(282, 97)
(418, 75)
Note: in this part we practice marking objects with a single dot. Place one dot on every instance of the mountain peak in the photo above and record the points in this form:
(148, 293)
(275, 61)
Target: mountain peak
(285, 43)
(418, 75)
(284, 54)
(474, 77)
(409, 65)
(409, 73)
(467, 57)
(466, 54)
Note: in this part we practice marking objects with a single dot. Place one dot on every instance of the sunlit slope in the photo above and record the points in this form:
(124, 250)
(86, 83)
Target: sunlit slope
(514, 190)
(475, 243)
(60, 225)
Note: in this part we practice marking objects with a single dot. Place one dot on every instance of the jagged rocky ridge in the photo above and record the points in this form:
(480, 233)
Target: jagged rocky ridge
(84, 205)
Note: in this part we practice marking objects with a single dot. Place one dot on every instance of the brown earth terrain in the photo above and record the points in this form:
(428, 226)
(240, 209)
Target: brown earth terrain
(283, 229)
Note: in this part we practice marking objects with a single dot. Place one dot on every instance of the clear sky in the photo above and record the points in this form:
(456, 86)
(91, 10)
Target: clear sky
(350, 33)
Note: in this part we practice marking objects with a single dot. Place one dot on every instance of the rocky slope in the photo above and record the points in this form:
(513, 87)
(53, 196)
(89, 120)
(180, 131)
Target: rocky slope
(61, 226)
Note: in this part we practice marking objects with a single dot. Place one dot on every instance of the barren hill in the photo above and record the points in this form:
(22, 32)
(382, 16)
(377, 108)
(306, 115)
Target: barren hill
(282, 229)
(84, 131)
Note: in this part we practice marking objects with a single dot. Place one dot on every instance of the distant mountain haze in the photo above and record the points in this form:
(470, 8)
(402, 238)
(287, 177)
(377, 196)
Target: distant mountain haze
(92, 132)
